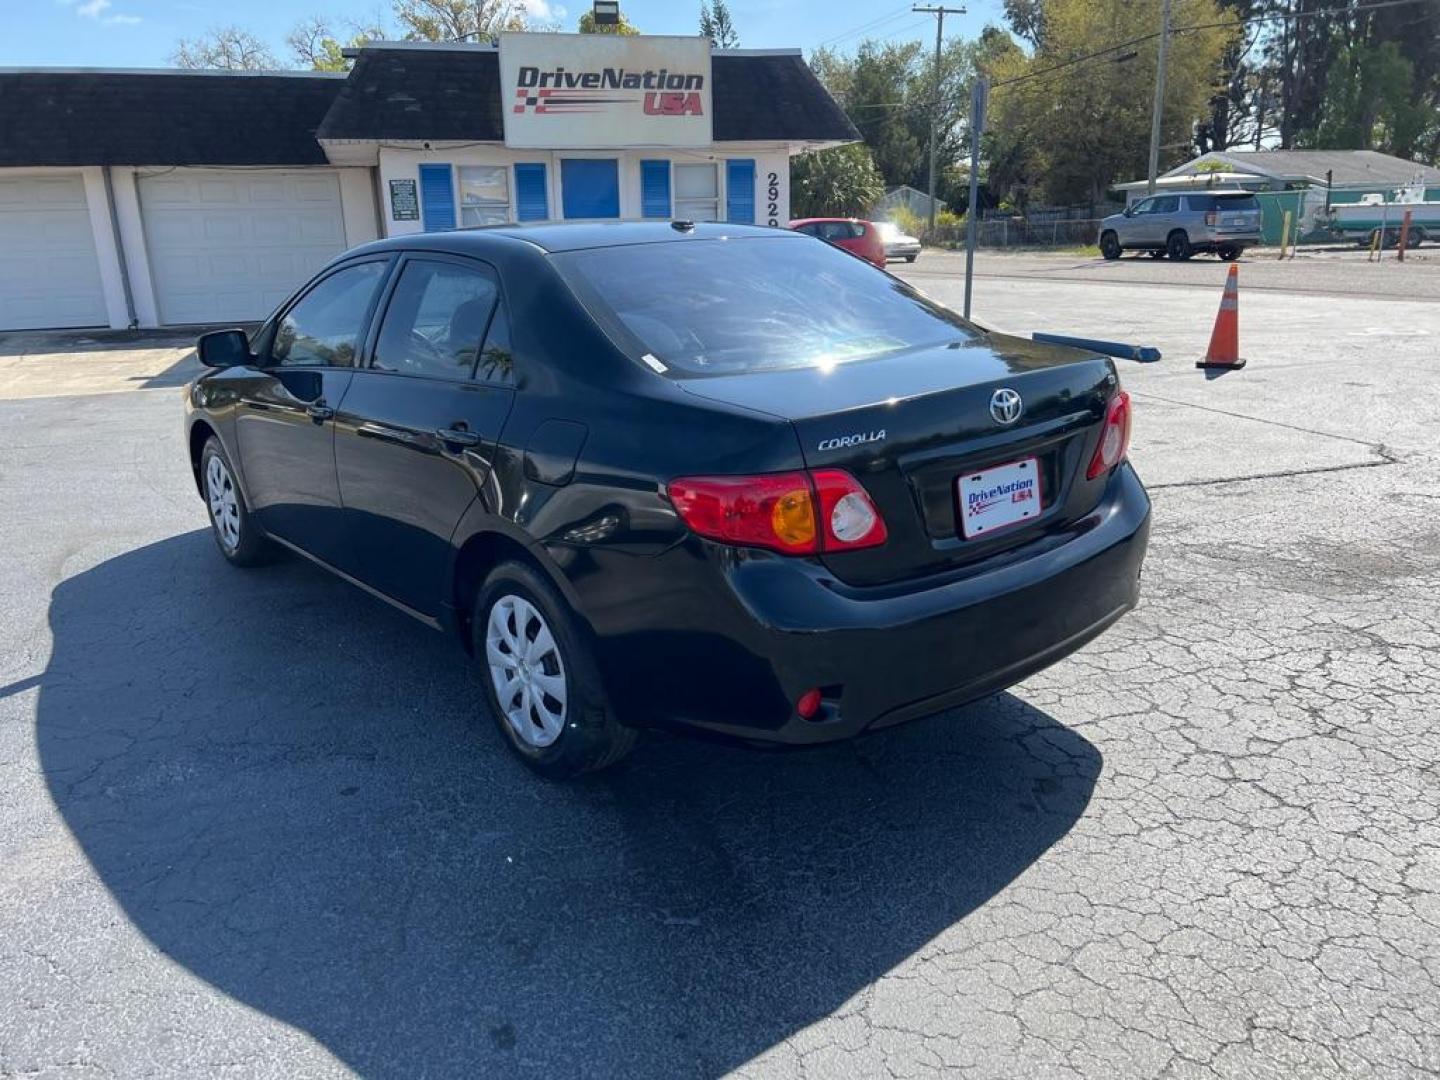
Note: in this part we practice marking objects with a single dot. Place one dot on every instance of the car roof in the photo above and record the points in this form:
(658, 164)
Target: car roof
(574, 236)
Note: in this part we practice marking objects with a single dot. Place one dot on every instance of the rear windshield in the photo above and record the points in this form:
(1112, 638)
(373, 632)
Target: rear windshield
(1223, 202)
(723, 307)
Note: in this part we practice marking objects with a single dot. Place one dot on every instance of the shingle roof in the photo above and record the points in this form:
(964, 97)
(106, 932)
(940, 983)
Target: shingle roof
(161, 118)
(1348, 166)
(420, 93)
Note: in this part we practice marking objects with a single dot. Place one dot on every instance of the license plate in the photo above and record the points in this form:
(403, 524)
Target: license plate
(998, 497)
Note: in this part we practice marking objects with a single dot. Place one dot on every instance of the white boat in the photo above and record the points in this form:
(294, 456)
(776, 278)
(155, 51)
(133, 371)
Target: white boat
(1386, 210)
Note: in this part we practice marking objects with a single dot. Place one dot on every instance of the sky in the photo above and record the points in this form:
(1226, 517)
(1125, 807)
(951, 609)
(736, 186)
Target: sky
(142, 33)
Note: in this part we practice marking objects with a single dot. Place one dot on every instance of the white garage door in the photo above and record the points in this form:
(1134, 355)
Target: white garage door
(229, 244)
(49, 275)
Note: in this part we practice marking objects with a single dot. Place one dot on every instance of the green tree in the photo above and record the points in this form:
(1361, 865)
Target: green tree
(1069, 132)
(842, 181)
(224, 48)
(624, 28)
(1367, 101)
(716, 24)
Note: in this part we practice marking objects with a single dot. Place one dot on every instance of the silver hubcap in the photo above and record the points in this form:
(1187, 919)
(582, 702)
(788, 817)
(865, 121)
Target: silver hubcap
(526, 670)
(224, 503)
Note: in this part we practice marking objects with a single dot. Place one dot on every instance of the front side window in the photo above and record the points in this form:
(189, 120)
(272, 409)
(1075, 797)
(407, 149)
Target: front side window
(484, 194)
(435, 322)
(697, 192)
(325, 327)
(1144, 206)
(724, 307)
(1168, 205)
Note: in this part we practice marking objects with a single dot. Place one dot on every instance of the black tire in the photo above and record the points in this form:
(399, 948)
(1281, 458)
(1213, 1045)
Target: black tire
(590, 737)
(1414, 238)
(1109, 246)
(1228, 253)
(1177, 246)
(911, 258)
(235, 533)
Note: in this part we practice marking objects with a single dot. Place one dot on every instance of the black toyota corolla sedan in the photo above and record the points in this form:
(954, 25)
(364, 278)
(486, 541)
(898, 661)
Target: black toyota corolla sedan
(711, 477)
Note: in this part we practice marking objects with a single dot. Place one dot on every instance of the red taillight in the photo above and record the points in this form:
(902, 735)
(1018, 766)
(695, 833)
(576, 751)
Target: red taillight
(1212, 218)
(1114, 437)
(797, 513)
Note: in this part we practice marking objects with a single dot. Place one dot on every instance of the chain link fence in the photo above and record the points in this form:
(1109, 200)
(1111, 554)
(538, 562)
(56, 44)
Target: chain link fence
(1019, 232)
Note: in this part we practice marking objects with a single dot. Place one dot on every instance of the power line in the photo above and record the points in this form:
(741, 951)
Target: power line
(898, 13)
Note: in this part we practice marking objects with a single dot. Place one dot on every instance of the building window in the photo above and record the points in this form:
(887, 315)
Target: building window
(484, 195)
(697, 192)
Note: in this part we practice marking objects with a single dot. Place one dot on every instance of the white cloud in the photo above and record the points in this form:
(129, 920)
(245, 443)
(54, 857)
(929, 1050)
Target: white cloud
(121, 20)
(544, 10)
(92, 8)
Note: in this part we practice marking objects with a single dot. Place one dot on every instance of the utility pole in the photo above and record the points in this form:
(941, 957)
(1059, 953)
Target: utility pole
(979, 97)
(1159, 96)
(939, 13)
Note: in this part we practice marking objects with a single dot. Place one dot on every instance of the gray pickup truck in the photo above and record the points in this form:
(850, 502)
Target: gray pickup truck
(1225, 222)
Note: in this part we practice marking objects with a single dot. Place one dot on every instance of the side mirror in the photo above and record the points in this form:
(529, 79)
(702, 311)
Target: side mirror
(223, 349)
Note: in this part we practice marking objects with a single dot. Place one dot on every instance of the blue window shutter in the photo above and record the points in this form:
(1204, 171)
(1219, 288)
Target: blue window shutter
(655, 189)
(531, 201)
(437, 198)
(740, 191)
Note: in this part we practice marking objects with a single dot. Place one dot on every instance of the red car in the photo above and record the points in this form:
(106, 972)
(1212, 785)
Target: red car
(855, 236)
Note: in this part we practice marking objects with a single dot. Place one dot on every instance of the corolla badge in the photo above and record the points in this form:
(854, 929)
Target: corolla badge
(1006, 405)
(858, 439)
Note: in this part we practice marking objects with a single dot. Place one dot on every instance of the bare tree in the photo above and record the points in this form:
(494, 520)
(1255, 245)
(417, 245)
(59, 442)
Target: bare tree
(459, 20)
(316, 45)
(227, 48)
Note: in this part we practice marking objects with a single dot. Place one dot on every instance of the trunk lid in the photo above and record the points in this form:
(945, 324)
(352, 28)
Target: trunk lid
(908, 426)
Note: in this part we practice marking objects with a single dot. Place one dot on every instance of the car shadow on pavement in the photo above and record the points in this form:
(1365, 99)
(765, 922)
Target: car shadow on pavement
(293, 792)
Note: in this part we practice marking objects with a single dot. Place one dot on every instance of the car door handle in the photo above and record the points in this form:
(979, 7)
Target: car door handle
(319, 411)
(458, 436)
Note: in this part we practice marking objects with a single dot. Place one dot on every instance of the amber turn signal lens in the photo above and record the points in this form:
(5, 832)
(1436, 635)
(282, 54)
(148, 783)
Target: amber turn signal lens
(793, 518)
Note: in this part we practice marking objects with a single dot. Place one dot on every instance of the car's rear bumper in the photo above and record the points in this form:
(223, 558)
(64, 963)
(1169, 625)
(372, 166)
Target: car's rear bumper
(1216, 239)
(732, 657)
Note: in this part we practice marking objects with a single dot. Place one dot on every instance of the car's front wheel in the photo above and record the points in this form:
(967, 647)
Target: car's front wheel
(1110, 245)
(236, 535)
(540, 677)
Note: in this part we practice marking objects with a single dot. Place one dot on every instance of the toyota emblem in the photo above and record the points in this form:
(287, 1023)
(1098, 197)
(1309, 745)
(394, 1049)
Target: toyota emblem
(1006, 406)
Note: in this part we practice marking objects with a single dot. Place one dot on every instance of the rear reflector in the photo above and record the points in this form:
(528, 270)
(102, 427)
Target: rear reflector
(796, 513)
(809, 704)
(1114, 437)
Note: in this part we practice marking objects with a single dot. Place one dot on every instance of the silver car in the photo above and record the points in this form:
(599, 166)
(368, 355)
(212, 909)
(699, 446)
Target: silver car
(898, 245)
(1225, 222)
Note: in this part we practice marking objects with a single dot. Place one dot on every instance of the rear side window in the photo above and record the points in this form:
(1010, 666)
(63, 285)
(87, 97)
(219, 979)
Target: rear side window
(724, 307)
(324, 327)
(1222, 202)
(436, 320)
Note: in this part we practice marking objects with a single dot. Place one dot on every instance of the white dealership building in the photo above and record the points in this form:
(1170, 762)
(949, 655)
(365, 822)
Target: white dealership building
(154, 198)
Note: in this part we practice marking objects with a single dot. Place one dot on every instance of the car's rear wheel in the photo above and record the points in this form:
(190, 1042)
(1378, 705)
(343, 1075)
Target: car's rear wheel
(1177, 246)
(910, 258)
(1110, 245)
(236, 535)
(1229, 253)
(540, 677)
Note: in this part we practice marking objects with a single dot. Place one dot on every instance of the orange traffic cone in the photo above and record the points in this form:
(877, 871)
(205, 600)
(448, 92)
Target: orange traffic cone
(1224, 351)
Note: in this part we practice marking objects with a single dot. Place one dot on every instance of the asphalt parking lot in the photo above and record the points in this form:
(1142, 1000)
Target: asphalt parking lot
(254, 823)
